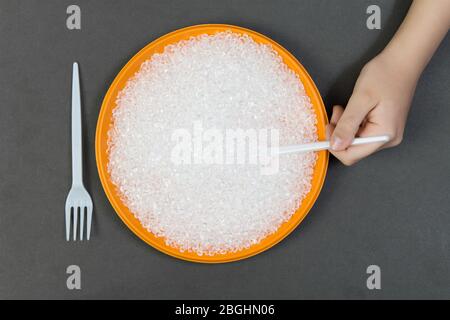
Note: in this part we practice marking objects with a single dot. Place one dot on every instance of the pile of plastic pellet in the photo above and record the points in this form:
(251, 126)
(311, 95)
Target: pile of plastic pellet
(224, 81)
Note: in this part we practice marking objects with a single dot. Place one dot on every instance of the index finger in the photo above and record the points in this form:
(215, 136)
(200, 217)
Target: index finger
(353, 154)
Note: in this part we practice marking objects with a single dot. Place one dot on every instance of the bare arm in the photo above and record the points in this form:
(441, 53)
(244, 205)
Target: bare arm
(420, 34)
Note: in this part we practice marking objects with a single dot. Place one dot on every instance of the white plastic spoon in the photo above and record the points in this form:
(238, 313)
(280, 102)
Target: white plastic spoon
(325, 145)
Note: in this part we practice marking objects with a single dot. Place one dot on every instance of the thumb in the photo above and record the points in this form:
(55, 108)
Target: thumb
(357, 109)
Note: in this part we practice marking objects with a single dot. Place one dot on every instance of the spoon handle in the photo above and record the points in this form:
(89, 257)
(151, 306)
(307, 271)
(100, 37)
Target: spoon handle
(325, 145)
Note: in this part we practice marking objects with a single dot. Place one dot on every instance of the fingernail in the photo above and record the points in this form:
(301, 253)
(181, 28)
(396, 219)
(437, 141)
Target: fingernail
(336, 144)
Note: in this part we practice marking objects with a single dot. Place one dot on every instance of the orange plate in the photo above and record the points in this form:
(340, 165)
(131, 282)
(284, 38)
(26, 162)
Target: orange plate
(104, 123)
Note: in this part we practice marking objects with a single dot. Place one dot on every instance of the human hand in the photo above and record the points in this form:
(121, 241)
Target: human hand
(379, 105)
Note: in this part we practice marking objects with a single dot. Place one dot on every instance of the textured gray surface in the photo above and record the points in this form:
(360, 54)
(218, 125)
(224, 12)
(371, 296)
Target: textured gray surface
(391, 209)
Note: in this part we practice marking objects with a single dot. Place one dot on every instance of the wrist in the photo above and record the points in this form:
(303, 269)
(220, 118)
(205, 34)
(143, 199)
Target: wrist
(403, 64)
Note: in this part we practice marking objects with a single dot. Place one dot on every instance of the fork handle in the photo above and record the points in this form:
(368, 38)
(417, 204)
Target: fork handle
(77, 159)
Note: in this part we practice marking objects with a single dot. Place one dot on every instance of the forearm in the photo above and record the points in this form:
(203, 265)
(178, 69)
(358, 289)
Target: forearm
(420, 34)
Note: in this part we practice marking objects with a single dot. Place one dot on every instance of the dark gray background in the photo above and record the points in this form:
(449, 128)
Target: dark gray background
(391, 210)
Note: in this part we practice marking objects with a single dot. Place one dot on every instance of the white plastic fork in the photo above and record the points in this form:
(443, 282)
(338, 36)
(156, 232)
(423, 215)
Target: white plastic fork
(325, 145)
(78, 202)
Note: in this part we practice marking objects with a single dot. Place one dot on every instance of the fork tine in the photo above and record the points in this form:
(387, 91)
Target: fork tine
(82, 213)
(68, 212)
(75, 222)
(89, 221)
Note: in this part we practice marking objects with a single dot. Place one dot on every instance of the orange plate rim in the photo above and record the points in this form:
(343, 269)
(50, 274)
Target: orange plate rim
(104, 121)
